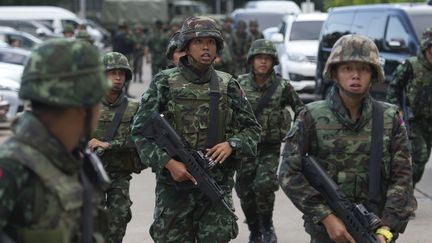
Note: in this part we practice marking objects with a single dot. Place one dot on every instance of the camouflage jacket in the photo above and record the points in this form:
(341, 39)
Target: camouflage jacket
(257, 35)
(40, 188)
(157, 43)
(238, 120)
(275, 118)
(325, 130)
(121, 156)
(414, 75)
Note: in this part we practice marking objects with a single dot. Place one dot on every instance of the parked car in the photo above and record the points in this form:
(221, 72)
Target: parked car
(4, 108)
(266, 17)
(290, 5)
(9, 91)
(14, 55)
(297, 46)
(53, 16)
(11, 71)
(30, 26)
(395, 28)
(27, 40)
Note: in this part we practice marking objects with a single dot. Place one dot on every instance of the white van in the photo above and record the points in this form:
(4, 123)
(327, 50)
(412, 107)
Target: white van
(54, 17)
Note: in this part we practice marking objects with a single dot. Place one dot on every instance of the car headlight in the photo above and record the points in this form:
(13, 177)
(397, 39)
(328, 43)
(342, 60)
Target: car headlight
(297, 57)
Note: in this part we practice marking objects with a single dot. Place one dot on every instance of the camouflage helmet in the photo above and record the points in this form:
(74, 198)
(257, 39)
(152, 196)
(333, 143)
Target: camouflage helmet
(241, 23)
(64, 73)
(68, 28)
(426, 39)
(262, 46)
(84, 35)
(253, 22)
(199, 26)
(116, 60)
(172, 45)
(358, 48)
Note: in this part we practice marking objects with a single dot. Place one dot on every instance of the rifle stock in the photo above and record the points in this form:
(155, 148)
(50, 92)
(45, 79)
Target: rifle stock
(160, 131)
(359, 222)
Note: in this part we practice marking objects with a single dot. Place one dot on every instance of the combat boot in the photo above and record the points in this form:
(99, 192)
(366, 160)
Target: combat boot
(255, 237)
(268, 232)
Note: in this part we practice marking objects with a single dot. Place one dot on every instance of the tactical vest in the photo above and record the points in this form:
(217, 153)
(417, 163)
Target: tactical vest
(420, 89)
(275, 120)
(60, 195)
(125, 159)
(188, 110)
(345, 153)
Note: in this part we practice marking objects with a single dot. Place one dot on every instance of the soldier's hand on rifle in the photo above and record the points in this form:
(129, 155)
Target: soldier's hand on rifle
(94, 143)
(179, 172)
(337, 230)
(219, 152)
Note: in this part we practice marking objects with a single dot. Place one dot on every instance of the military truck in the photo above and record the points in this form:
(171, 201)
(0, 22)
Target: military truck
(146, 11)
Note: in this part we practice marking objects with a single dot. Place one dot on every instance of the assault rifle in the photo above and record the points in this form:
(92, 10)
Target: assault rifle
(160, 131)
(359, 222)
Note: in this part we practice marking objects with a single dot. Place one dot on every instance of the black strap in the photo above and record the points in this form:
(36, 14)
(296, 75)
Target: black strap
(110, 132)
(263, 102)
(376, 155)
(87, 226)
(214, 108)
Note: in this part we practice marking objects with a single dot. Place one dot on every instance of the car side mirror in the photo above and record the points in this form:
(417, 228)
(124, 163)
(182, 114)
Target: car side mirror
(277, 38)
(40, 32)
(397, 44)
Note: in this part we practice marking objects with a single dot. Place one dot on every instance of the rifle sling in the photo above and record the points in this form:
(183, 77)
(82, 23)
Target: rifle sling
(376, 155)
(110, 132)
(263, 102)
(214, 109)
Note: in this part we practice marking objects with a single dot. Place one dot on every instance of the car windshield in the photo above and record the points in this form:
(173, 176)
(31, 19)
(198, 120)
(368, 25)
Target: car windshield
(309, 30)
(420, 22)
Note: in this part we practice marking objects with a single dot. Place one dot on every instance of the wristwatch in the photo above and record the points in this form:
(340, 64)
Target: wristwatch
(234, 144)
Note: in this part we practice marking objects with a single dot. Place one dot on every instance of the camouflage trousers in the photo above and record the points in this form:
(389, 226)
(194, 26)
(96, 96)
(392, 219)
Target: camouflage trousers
(188, 216)
(256, 183)
(118, 206)
(421, 142)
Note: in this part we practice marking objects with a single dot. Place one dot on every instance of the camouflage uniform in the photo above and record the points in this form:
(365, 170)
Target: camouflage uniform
(121, 158)
(182, 95)
(254, 31)
(415, 76)
(256, 181)
(157, 43)
(139, 52)
(40, 184)
(325, 130)
(226, 62)
(240, 44)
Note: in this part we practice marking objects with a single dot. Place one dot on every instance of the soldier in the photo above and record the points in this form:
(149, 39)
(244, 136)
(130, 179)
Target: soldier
(254, 30)
(414, 78)
(84, 35)
(227, 30)
(256, 180)
(140, 52)
(113, 144)
(173, 52)
(68, 31)
(182, 95)
(338, 133)
(46, 187)
(157, 43)
(240, 44)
